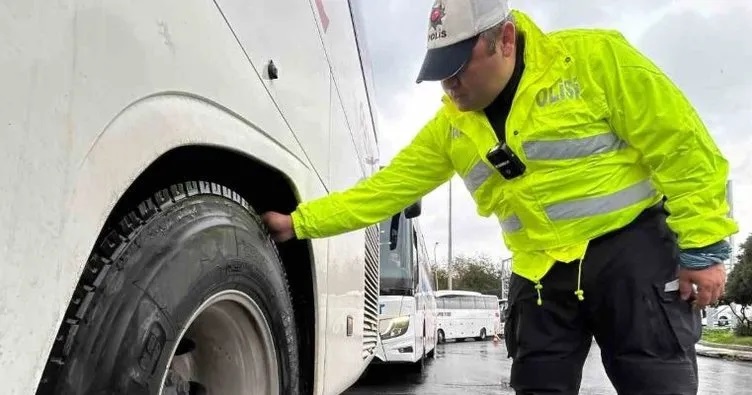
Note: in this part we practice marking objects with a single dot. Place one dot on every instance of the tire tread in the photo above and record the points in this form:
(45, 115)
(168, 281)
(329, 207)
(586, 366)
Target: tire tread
(106, 252)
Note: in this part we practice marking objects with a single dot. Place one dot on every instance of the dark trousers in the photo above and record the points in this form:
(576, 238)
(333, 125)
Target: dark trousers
(646, 333)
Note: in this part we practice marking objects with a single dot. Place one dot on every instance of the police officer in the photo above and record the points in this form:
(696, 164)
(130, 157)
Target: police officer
(610, 192)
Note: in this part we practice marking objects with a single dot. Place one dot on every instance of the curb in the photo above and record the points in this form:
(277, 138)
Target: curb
(734, 347)
(726, 354)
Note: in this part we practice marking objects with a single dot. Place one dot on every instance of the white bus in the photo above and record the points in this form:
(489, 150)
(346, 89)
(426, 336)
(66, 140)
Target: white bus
(140, 141)
(466, 314)
(407, 318)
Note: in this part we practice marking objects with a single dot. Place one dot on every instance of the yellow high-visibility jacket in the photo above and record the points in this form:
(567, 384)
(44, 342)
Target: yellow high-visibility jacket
(604, 134)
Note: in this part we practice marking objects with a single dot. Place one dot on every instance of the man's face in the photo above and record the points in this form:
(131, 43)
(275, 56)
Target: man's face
(486, 73)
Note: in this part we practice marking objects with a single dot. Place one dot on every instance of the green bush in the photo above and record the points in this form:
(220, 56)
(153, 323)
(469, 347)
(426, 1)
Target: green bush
(743, 330)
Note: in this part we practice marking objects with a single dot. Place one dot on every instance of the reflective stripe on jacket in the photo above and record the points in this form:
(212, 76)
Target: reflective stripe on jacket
(604, 134)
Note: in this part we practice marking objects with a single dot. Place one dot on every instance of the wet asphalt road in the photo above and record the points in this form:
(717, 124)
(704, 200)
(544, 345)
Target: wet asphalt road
(482, 368)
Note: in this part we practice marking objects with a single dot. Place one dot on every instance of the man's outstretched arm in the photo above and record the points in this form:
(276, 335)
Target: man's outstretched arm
(416, 170)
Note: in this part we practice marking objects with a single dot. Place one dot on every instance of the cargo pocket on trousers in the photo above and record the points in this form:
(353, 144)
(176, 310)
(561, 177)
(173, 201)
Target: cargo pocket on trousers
(683, 322)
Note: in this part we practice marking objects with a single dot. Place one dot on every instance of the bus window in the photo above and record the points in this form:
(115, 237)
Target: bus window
(396, 272)
(393, 232)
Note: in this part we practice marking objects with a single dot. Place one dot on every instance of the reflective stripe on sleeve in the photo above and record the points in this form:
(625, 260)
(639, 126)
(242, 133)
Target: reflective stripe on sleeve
(511, 223)
(477, 176)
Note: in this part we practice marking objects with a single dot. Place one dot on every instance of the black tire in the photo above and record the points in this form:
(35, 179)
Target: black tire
(482, 335)
(144, 280)
(440, 338)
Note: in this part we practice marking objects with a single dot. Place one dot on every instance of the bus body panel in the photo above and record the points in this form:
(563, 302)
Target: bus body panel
(104, 89)
(350, 84)
(392, 306)
(425, 297)
(352, 150)
(393, 349)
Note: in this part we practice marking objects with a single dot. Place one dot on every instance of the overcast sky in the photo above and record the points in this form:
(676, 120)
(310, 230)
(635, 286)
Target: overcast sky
(703, 45)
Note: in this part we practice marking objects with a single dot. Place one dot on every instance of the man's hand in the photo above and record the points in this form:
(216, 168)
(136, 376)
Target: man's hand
(280, 226)
(710, 284)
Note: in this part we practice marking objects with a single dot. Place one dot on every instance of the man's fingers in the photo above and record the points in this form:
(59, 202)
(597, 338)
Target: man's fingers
(279, 225)
(281, 236)
(704, 295)
(685, 288)
(709, 282)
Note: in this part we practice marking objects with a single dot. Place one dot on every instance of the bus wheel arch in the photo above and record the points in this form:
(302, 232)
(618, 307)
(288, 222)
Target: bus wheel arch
(244, 175)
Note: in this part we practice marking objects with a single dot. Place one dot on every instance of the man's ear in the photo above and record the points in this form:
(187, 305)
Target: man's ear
(508, 39)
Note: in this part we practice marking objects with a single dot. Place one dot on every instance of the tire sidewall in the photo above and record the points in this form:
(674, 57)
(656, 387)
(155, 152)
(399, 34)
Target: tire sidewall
(198, 247)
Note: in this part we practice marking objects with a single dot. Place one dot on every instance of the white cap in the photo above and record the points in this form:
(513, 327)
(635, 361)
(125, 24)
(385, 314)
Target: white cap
(453, 28)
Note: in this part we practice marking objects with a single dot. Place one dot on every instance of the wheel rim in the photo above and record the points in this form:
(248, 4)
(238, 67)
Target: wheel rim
(482, 333)
(226, 348)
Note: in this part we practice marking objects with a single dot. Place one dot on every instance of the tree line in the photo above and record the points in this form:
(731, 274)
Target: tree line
(480, 273)
(739, 288)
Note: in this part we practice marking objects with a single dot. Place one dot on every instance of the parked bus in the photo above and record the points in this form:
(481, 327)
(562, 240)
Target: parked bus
(407, 319)
(141, 140)
(466, 314)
